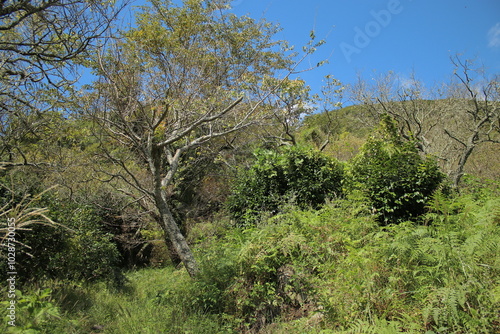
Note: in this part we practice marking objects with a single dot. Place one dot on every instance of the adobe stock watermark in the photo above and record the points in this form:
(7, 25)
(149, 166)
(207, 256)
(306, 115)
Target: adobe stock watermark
(363, 36)
(236, 3)
(10, 243)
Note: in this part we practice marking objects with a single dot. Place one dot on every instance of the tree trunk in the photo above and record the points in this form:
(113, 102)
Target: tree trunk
(171, 228)
(172, 252)
(167, 221)
(459, 172)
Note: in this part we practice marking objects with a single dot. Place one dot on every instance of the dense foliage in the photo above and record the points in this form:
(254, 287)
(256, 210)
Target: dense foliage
(398, 181)
(293, 174)
(334, 270)
(77, 248)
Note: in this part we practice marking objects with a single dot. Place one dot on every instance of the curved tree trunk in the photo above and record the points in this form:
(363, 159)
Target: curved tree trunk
(464, 157)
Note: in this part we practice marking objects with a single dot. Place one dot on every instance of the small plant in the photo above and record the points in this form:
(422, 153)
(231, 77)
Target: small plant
(35, 313)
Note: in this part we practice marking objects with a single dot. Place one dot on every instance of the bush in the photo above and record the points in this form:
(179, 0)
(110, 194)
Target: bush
(306, 176)
(56, 237)
(393, 175)
(78, 249)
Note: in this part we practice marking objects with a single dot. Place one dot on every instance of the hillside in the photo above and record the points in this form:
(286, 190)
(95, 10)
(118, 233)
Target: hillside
(346, 130)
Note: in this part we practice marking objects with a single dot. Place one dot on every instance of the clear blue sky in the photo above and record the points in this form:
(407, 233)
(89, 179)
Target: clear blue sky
(367, 36)
(387, 35)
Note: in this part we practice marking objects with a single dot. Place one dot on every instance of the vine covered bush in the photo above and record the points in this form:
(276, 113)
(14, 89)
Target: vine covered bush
(306, 177)
(396, 179)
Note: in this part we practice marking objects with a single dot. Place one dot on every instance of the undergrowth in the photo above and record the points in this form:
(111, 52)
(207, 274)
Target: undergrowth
(335, 270)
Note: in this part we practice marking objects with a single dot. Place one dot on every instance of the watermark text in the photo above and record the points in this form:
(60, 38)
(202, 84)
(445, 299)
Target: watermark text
(364, 35)
(10, 243)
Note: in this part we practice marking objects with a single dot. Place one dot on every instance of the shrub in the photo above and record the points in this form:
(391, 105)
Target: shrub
(89, 252)
(393, 175)
(306, 176)
(77, 249)
(56, 238)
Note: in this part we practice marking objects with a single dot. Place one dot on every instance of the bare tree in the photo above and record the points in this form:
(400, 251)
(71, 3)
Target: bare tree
(289, 101)
(449, 123)
(332, 95)
(289, 104)
(477, 101)
(185, 76)
(405, 100)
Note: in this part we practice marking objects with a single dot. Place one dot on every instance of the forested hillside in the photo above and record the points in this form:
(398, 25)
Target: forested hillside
(197, 185)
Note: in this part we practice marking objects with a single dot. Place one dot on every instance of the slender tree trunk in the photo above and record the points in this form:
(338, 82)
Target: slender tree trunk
(174, 257)
(459, 172)
(167, 221)
(171, 228)
(468, 148)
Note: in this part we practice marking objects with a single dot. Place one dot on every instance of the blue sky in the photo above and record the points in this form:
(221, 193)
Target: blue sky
(364, 36)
